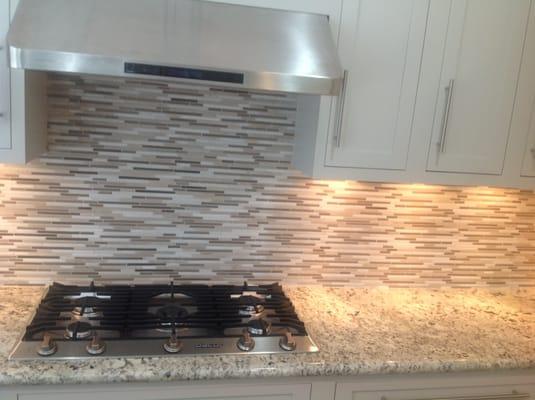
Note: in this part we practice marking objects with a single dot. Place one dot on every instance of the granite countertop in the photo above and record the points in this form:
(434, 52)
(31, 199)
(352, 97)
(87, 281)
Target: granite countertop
(358, 331)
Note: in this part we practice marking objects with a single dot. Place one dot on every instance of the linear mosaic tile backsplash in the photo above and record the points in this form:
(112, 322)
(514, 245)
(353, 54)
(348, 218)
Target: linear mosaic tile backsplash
(150, 181)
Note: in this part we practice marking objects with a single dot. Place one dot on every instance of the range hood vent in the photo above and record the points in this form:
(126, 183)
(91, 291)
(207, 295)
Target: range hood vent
(240, 46)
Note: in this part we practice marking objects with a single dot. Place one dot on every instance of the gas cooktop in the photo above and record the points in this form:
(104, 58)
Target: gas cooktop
(75, 322)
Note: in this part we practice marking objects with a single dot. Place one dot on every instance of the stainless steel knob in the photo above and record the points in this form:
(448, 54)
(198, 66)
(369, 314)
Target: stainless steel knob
(96, 346)
(246, 342)
(173, 345)
(47, 347)
(287, 342)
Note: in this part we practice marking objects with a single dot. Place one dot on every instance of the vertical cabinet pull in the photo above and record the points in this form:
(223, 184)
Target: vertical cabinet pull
(449, 96)
(340, 110)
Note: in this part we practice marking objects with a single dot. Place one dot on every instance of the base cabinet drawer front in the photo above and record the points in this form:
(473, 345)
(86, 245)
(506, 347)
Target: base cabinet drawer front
(514, 392)
(208, 392)
(480, 71)
(5, 86)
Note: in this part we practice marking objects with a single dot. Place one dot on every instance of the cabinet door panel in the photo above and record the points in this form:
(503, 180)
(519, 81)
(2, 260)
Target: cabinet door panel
(481, 63)
(5, 112)
(208, 392)
(527, 83)
(381, 48)
(351, 392)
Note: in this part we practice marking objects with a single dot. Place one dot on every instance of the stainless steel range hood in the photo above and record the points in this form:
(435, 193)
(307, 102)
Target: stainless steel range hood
(240, 46)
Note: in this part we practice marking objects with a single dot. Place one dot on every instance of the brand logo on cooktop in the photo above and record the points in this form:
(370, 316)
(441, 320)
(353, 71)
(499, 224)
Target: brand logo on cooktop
(208, 346)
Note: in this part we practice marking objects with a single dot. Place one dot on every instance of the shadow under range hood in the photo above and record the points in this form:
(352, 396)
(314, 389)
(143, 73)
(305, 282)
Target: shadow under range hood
(240, 46)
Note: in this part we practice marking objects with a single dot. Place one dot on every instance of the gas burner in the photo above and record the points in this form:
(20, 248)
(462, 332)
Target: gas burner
(80, 329)
(172, 306)
(259, 326)
(85, 302)
(85, 312)
(172, 312)
(251, 310)
(250, 302)
(85, 307)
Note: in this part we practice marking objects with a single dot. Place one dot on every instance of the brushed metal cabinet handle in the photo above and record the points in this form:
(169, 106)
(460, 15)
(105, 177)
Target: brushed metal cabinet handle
(340, 110)
(508, 396)
(449, 96)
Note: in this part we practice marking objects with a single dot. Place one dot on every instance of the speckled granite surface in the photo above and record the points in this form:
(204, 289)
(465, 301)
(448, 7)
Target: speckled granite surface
(358, 331)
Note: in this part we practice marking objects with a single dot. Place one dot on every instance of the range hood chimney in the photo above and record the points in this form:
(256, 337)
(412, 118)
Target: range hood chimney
(238, 46)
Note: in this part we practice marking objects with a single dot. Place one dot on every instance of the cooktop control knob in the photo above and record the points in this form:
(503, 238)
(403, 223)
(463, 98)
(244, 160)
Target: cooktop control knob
(47, 347)
(173, 345)
(287, 342)
(246, 342)
(96, 346)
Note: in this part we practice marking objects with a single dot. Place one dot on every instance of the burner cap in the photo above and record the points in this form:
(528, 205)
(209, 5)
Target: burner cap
(82, 330)
(251, 309)
(249, 300)
(83, 311)
(172, 312)
(259, 326)
(85, 306)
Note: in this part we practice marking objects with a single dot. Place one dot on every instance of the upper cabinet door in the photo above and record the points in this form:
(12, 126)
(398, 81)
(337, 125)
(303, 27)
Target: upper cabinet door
(381, 44)
(5, 95)
(527, 99)
(481, 63)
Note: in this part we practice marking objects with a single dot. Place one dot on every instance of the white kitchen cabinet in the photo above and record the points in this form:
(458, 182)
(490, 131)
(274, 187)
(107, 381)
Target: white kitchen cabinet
(250, 389)
(381, 47)
(482, 55)
(351, 391)
(525, 109)
(208, 392)
(400, 122)
(23, 129)
(5, 77)
(459, 386)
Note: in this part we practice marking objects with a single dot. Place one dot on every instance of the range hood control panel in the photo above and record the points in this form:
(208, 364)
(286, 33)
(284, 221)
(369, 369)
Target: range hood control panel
(183, 73)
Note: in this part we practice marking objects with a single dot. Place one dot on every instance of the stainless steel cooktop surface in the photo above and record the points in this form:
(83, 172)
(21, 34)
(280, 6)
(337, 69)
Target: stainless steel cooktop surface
(75, 322)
